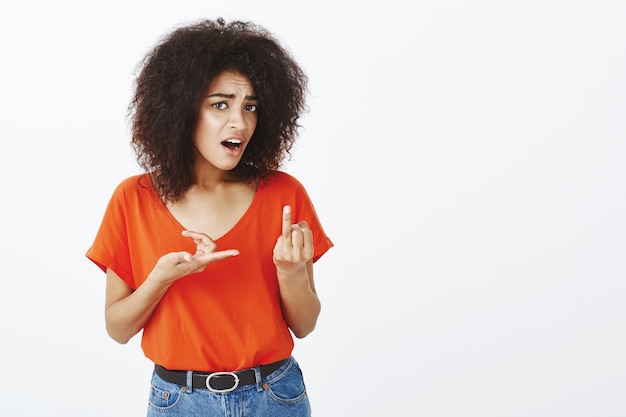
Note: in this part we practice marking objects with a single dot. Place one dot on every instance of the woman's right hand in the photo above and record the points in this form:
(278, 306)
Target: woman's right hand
(175, 265)
(127, 310)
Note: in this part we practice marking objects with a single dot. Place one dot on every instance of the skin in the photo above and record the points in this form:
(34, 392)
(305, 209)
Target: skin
(227, 113)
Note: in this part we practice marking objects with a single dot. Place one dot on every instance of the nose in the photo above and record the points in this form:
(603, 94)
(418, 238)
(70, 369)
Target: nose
(237, 119)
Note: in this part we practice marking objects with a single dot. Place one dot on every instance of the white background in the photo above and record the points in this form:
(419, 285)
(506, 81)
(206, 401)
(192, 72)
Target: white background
(466, 158)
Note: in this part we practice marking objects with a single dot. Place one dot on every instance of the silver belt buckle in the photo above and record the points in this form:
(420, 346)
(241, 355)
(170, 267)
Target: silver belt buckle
(232, 374)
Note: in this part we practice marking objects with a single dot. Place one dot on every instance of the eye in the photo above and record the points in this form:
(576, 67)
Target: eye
(220, 105)
(251, 108)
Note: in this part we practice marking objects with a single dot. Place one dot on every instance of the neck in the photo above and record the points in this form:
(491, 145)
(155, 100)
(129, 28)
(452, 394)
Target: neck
(210, 177)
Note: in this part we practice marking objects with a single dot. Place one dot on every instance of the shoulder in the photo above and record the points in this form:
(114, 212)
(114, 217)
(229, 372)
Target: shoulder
(282, 180)
(283, 188)
(134, 188)
(135, 184)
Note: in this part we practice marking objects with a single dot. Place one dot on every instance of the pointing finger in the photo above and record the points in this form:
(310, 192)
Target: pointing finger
(218, 256)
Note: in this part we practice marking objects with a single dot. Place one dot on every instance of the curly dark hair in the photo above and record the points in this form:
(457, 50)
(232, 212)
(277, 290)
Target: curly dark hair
(170, 87)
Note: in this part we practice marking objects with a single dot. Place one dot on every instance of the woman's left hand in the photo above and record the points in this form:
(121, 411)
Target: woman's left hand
(294, 247)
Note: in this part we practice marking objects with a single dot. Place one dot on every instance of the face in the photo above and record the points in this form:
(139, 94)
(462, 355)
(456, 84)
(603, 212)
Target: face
(226, 121)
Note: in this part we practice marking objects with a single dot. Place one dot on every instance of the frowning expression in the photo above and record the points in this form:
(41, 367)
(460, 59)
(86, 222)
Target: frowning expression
(226, 121)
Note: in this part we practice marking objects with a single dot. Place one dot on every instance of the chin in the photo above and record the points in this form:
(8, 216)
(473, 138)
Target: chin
(229, 167)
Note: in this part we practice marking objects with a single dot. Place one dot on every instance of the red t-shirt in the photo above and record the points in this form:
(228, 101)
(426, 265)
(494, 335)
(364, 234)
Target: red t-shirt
(227, 317)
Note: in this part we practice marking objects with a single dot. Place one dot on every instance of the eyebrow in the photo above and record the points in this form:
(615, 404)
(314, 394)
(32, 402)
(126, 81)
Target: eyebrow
(231, 96)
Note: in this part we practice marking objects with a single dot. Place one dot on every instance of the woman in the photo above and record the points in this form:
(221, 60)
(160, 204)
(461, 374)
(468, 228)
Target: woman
(210, 252)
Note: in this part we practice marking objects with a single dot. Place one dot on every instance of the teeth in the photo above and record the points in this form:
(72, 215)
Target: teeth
(232, 143)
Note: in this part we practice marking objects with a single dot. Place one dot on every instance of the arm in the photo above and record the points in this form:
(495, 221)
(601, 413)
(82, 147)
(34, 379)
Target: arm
(128, 311)
(293, 255)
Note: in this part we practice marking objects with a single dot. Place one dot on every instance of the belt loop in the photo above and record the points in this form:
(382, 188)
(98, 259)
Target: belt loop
(259, 378)
(189, 382)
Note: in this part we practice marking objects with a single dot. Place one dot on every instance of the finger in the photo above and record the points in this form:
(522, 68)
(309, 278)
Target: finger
(189, 233)
(287, 225)
(297, 238)
(308, 248)
(199, 238)
(304, 228)
(174, 258)
(308, 236)
(209, 257)
(223, 254)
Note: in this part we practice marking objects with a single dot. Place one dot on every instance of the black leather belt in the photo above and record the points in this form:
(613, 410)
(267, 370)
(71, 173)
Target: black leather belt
(217, 381)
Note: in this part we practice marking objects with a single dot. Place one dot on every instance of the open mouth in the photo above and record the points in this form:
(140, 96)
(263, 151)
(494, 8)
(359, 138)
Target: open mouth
(233, 144)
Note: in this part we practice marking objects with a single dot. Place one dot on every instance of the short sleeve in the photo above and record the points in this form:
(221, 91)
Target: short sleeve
(306, 210)
(110, 248)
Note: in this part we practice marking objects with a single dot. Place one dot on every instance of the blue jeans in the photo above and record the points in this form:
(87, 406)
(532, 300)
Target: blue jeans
(281, 393)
